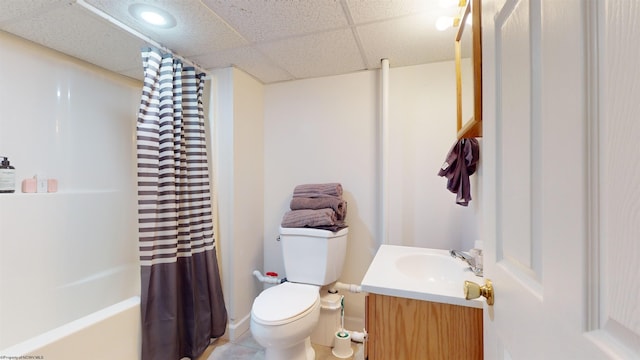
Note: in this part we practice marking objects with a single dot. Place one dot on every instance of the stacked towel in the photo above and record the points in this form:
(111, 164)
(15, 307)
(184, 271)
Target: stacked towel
(318, 190)
(336, 203)
(317, 206)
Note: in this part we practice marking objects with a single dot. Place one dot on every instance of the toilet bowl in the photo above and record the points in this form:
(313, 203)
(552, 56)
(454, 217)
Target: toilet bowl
(283, 318)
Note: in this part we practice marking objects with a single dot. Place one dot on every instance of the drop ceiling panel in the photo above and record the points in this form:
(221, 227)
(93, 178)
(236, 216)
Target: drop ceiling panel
(249, 60)
(271, 40)
(198, 29)
(406, 41)
(74, 31)
(369, 11)
(328, 53)
(269, 20)
(15, 9)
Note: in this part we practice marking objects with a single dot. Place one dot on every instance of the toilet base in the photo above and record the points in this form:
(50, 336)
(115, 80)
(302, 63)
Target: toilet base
(301, 351)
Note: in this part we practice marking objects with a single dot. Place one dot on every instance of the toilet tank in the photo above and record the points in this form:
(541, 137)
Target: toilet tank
(313, 256)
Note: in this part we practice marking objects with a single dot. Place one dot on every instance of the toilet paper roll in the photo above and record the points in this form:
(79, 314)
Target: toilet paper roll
(342, 345)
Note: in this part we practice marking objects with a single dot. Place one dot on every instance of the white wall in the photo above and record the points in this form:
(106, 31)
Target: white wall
(238, 108)
(67, 254)
(422, 130)
(326, 130)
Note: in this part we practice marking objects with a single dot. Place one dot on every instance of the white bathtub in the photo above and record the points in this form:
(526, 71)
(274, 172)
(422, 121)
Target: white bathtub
(110, 333)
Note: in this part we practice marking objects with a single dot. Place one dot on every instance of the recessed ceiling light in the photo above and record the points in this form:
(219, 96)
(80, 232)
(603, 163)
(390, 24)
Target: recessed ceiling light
(153, 18)
(152, 15)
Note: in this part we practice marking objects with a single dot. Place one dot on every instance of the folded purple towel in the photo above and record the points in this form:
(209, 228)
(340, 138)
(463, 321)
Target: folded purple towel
(309, 218)
(318, 190)
(337, 204)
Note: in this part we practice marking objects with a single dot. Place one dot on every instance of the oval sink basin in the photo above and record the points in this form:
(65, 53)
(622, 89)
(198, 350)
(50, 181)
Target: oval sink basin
(429, 267)
(419, 273)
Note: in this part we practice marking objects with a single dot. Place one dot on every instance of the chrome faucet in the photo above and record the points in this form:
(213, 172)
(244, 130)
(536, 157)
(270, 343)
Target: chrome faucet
(468, 259)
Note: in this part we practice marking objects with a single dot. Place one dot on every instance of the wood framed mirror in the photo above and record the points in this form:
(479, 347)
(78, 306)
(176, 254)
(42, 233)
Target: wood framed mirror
(469, 103)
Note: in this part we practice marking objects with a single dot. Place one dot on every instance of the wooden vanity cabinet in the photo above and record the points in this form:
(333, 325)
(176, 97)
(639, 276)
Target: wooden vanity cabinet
(410, 329)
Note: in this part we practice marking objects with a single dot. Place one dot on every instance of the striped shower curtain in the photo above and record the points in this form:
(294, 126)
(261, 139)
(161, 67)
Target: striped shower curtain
(181, 298)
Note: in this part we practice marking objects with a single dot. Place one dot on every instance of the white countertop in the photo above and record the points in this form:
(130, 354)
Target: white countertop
(421, 274)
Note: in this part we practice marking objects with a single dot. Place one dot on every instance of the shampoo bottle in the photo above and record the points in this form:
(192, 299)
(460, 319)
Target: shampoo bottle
(7, 176)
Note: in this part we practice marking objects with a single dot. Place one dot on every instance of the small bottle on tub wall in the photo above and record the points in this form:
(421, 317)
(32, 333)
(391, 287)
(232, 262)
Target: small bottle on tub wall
(7, 176)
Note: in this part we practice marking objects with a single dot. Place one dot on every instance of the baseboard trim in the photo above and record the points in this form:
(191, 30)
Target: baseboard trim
(239, 327)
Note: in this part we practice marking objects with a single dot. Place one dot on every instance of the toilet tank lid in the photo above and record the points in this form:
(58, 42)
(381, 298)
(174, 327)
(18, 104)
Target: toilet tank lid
(313, 232)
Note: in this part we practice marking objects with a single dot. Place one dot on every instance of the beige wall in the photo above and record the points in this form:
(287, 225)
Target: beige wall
(237, 108)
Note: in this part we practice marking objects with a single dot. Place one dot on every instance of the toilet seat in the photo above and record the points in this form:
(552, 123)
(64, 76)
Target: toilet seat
(285, 303)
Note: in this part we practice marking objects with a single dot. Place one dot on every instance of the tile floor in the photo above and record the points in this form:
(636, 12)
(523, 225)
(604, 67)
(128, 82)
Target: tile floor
(246, 348)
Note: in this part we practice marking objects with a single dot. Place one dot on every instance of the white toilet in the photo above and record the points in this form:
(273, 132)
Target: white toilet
(284, 316)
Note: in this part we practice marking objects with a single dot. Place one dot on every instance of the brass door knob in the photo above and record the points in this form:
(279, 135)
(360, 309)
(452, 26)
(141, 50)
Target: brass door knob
(474, 291)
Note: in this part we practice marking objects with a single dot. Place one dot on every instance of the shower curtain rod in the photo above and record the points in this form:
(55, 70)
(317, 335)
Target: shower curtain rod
(139, 35)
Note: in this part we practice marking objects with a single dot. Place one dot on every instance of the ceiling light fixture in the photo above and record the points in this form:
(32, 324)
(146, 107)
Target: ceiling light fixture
(153, 18)
(152, 15)
(446, 22)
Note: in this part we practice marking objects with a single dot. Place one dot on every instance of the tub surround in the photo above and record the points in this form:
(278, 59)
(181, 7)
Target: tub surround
(72, 253)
